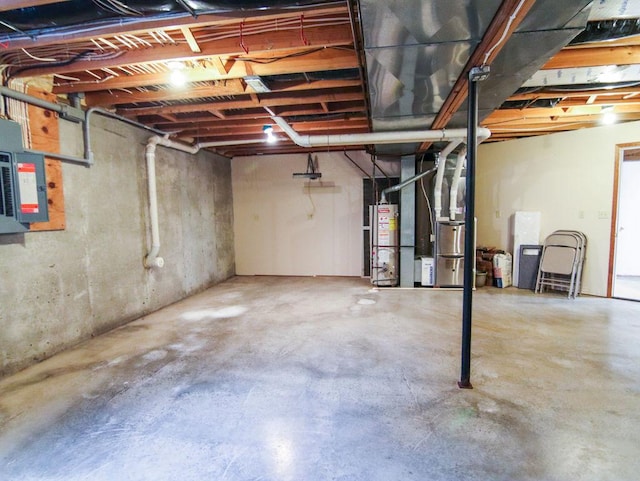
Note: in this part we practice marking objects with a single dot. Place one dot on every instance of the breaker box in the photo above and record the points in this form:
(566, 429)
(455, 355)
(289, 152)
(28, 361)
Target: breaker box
(23, 186)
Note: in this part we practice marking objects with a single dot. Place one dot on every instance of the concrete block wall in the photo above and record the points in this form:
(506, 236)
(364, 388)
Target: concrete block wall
(59, 288)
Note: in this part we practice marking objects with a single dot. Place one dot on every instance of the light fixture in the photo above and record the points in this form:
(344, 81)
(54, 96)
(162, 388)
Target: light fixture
(175, 65)
(608, 117)
(256, 83)
(178, 78)
(311, 172)
(268, 130)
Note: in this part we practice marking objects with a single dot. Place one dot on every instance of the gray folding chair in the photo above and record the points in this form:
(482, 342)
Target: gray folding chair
(561, 263)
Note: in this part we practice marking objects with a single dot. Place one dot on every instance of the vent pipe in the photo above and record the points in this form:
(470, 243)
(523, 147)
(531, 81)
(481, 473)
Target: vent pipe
(453, 188)
(152, 259)
(442, 162)
(452, 145)
(309, 141)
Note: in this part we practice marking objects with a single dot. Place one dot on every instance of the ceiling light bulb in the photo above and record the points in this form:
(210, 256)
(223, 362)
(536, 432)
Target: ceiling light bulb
(178, 78)
(268, 130)
(175, 65)
(609, 118)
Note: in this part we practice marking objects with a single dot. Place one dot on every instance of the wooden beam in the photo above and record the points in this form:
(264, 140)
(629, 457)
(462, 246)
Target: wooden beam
(549, 93)
(258, 121)
(217, 113)
(191, 40)
(577, 102)
(271, 101)
(355, 109)
(336, 107)
(221, 66)
(278, 148)
(498, 123)
(143, 25)
(592, 57)
(233, 87)
(167, 94)
(238, 127)
(492, 43)
(215, 138)
(266, 43)
(326, 59)
(169, 118)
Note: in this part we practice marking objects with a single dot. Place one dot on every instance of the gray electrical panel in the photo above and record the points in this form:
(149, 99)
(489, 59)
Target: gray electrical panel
(23, 187)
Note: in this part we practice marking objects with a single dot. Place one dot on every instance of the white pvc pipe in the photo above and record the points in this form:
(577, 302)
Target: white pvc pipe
(442, 162)
(453, 188)
(376, 137)
(152, 259)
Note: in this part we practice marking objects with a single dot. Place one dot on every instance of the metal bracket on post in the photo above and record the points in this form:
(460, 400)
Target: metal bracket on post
(476, 74)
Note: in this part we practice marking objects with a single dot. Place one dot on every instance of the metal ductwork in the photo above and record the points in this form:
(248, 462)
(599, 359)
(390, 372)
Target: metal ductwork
(416, 50)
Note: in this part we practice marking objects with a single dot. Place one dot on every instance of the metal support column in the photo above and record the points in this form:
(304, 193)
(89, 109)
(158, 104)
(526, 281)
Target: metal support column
(407, 222)
(476, 74)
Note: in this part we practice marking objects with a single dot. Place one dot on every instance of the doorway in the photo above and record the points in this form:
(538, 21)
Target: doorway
(625, 281)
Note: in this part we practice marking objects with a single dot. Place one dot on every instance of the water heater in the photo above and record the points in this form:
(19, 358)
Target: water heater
(384, 245)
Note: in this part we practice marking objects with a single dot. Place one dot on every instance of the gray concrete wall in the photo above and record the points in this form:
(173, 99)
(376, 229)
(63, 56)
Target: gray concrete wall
(59, 288)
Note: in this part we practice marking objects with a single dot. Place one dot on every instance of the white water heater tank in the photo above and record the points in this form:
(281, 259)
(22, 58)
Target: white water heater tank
(384, 245)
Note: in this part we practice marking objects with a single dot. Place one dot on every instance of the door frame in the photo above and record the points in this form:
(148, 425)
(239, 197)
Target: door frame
(619, 158)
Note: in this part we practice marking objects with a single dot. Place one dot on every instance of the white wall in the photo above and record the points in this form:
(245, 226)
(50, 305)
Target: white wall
(568, 177)
(280, 230)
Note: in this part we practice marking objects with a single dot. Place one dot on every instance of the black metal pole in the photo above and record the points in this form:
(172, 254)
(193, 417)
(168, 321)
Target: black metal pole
(475, 75)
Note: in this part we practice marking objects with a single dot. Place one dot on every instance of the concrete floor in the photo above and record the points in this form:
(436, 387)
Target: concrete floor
(324, 379)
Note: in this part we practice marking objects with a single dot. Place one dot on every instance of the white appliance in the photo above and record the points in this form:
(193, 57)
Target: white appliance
(384, 245)
(428, 267)
(526, 231)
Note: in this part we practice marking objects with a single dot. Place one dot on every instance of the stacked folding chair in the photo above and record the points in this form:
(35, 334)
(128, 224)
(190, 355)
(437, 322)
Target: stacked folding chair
(561, 264)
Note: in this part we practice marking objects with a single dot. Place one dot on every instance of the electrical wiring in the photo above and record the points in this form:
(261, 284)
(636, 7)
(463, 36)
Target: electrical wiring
(124, 41)
(67, 77)
(590, 88)
(426, 197)
(313, 205)
(38, 58)
(265, 61)
(265, 27)
(504, 33)
(125, 7)
(206, 34)
(56, 64)
(116, 7)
